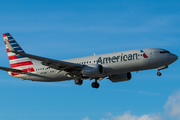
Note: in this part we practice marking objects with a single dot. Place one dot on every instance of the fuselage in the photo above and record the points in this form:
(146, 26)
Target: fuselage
(113, 63)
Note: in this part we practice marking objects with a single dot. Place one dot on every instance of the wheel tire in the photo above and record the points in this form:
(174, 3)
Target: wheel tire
(95, 85)
(80, 82)
(77, 81)
(159, 74)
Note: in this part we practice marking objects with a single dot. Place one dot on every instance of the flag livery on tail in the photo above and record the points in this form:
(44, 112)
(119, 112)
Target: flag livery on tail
(17, 61)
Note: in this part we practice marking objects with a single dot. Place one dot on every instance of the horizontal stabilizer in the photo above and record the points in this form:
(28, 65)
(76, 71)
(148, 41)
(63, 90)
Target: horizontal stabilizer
(11, 70)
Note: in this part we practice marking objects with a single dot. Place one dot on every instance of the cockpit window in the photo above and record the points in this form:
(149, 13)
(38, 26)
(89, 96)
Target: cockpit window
(165, 51)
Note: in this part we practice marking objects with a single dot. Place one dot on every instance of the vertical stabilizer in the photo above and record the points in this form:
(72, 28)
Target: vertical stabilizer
(17, 61)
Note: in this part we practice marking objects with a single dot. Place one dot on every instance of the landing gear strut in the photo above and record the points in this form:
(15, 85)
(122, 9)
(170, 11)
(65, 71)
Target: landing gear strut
(161, 68)
(78, 81)
(95, 84)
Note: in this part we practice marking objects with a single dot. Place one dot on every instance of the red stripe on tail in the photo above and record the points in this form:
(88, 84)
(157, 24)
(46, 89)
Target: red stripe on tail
(28, 70)
(7, 50)
(4, 35)
(21, 64)
(6, 43)
(12, 57)
(13, 74)
(23, 70)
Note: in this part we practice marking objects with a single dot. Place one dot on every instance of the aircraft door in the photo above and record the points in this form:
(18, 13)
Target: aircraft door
(150, 59)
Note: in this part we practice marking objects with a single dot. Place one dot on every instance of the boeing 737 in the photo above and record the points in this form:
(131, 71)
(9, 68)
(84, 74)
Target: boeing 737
(116, 67)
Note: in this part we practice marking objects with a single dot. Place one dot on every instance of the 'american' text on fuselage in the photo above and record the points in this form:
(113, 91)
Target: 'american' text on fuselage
(126, 57)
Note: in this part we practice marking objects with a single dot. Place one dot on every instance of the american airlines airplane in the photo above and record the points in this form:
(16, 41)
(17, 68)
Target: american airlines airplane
(116, 66)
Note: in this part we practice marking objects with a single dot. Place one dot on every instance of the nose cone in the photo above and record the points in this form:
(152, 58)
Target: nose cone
(173, 57)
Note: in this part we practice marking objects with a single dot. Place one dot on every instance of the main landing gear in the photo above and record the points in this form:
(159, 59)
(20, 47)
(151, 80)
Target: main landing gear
(95, 84)
(161, 68)
(78, 81)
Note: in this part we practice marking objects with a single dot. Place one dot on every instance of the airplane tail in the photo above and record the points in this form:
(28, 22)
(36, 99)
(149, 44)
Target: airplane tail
(17, 61)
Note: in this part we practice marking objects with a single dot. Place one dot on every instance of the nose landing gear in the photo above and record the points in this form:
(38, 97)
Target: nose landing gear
(159, 73)
(161, 68)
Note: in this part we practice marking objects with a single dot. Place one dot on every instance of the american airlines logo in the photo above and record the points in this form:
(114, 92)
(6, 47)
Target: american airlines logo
(120, 58)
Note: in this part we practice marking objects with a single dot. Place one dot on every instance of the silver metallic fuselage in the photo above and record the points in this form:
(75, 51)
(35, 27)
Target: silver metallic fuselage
(113, 63)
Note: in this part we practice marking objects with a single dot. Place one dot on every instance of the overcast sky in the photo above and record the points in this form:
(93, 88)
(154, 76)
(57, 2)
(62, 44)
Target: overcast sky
(68, 29)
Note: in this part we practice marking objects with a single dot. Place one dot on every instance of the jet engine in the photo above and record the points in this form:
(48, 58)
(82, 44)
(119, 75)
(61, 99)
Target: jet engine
(120, 77)
(93, 70)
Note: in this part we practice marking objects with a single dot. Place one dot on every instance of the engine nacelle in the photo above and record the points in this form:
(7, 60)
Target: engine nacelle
(120, 77)
(93, 70)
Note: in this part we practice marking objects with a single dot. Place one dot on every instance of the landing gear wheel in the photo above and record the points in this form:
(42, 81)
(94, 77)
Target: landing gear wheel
(159, 74)
(95, 85)
(78, 81)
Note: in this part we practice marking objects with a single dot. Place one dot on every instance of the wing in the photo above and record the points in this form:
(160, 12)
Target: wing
(56, 64)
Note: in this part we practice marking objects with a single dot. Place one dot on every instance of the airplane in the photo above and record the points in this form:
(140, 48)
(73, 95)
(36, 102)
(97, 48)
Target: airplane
(116, 67)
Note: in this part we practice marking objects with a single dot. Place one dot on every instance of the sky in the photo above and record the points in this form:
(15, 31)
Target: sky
(63, 29)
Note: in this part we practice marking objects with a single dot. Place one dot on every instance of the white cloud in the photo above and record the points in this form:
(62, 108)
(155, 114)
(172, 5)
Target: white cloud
(172, 106)
(127, 116)
(86, 118)
(109, 114)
